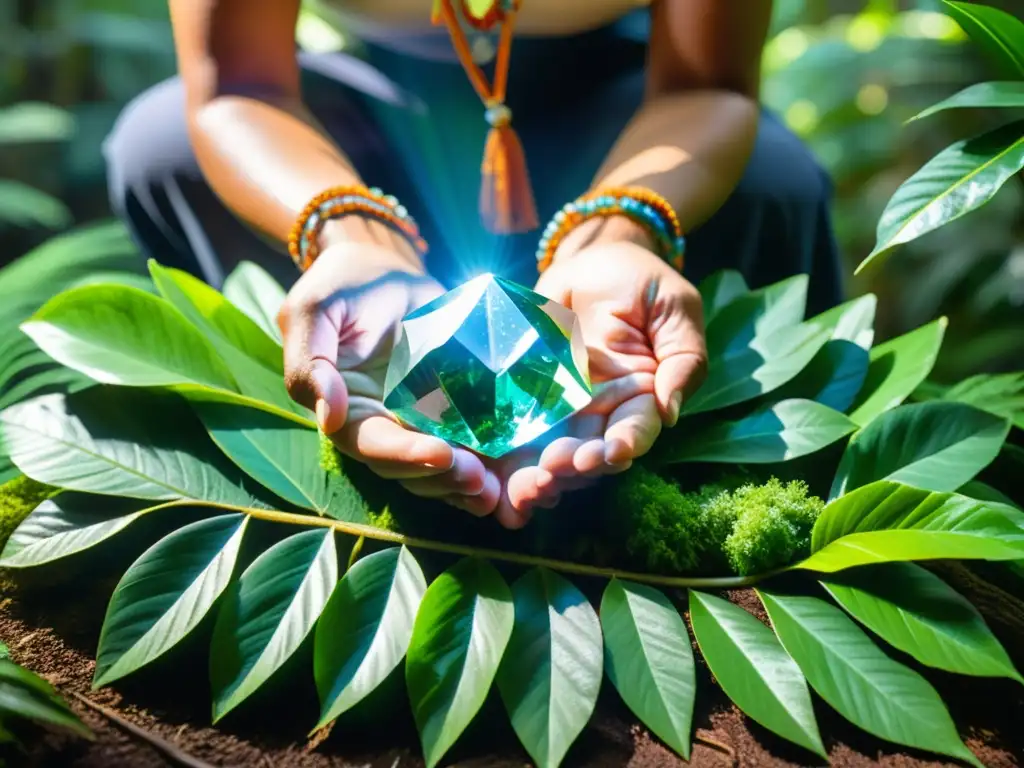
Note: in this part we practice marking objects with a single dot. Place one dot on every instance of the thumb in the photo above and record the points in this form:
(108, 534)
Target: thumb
(679, 348)
(310, 359)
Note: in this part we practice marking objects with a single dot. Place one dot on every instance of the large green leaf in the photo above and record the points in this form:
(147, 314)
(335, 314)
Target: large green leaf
(235, 336)
(70, 523)
(283, 456)
(887, 521)
(955, 182)
(649, 660)
(854, 676)
(754, 670)
(34, 121)
(777, 432)
(833, 378)
(1001, 394)
(365, 629)
(256, 293)
(719, 290)
(166, 593)
(853, 321)
(936, 445)
(915, 611)
(551, 673)
(122, 335)
(999, 35)
(120, 443)
(897, 367)
(985, 492)
(458, 639)
(268, 612)
(24, 694)
(29, 207)
(984, 95)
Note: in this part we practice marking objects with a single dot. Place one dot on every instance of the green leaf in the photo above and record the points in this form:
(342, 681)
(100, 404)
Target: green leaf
(777, 432)
(649, 660)
(1001, 394)
(958, 180)
(28, 207)
(31, 122)
(897, 368)
(999, 35)
(257, 294)
(853, 321)
(122, 335)
(993, 95)
(24, 694)
(235, 336)
(936, 445)
(166, 593)
(551, 673)
(120, 443)
(268, 612)
(365, 629)
(754, 670)
(886, 522)
(66, 525)
(833, 378)
(985, 492)
(719, 290)
(458, 639)
(857, 679)
(284, 457)
(915, 611)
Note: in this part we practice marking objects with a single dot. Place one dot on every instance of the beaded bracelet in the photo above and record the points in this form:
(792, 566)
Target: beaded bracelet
(648, 209)
(336, 202)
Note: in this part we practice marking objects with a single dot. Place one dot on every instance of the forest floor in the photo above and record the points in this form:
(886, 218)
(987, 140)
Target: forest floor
(53, 631)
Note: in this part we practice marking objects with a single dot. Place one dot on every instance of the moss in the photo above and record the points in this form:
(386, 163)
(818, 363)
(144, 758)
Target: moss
(18, 497)
(330, 459)
(385, 520)
(749, 529)
(773, 525)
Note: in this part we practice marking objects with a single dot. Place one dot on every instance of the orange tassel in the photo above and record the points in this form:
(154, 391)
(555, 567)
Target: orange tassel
(506, 196)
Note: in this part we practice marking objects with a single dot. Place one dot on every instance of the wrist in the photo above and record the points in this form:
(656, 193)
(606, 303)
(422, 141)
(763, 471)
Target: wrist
(605, 230)
(360, 230)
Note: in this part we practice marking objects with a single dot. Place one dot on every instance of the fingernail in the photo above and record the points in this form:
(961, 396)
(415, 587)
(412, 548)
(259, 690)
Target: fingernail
(323, 412)
(674, 404)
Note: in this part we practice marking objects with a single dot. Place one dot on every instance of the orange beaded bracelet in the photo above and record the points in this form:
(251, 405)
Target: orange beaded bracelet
(645, 207)
(336, 202)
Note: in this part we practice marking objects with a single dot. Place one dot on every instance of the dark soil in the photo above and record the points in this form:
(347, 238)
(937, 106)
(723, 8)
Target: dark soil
(53, 631)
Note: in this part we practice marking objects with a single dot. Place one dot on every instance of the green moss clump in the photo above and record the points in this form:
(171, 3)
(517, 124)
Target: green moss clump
(18, 497)
(385, 520)
(330, 459)
(773, 525)
(750, 529)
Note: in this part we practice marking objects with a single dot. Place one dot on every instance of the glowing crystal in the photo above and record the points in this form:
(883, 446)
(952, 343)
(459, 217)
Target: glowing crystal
(490, 365)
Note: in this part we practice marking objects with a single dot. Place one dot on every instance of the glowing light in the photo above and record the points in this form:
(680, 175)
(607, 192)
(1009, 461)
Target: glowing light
(872, 99)
(317, 35)
(932, 25)
(867, 31)
(802, 116)
(785, 48)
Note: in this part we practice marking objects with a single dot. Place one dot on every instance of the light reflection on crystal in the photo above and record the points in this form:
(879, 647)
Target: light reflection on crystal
(490, 365)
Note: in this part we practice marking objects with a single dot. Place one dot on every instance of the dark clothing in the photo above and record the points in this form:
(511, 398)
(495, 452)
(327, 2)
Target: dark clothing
(415, 128)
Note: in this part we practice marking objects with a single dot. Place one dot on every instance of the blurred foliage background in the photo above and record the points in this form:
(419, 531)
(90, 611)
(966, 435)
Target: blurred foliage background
(845, 74)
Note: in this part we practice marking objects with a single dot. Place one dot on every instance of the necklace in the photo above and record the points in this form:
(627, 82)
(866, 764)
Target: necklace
(506, 197)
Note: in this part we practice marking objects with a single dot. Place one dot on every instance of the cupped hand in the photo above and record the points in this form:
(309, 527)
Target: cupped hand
(643, 326)
(339, 324)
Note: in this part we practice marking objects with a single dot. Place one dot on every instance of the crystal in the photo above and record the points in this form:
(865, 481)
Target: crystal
(490, 365)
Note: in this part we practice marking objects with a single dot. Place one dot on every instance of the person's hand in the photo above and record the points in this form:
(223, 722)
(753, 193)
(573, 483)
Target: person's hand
(339, 325)
(643, 326)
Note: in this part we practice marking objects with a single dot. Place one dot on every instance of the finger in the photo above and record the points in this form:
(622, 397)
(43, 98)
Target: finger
(679, 347)
(589, 458)
(393, 451)
(466, 478)
(609, 395)
(557, 458)
(521, 493)
(310, 341)
(632, 430)
(483, 503)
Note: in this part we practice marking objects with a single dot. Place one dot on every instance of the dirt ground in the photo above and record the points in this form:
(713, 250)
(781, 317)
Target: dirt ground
(53, 631)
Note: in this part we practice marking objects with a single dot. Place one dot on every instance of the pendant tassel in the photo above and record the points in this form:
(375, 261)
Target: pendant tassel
(506, 196)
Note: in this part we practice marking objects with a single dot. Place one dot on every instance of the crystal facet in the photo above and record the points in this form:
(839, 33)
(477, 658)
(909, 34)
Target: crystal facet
(490, 365)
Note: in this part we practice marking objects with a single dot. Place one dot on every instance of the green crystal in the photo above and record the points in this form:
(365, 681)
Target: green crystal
(490, 365)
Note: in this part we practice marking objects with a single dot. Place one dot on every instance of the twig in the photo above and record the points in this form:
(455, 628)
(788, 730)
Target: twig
(707, 741)
(164, 748)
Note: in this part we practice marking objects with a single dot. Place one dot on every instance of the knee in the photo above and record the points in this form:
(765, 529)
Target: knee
(783, 177)
(149, 142)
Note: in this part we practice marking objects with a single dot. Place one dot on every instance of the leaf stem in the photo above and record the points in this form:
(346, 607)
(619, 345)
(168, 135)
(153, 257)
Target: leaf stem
(565, 566)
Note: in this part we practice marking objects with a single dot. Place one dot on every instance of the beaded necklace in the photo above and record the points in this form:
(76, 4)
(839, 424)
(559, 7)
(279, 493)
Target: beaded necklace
(506, 197)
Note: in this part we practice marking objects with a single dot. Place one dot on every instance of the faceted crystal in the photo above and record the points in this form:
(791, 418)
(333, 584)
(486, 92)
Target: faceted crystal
(490, 365)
